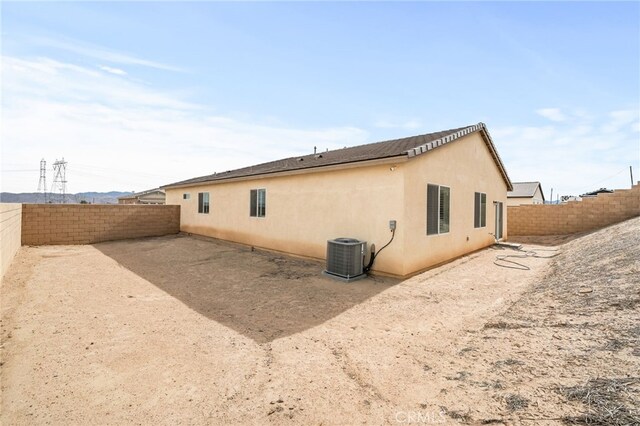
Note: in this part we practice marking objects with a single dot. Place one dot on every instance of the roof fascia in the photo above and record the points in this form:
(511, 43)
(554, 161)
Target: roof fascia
(317, 169)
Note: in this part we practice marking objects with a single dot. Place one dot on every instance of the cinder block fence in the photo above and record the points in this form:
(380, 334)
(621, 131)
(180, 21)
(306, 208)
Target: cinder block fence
(10, 218)
(575, 216)
(91, 223)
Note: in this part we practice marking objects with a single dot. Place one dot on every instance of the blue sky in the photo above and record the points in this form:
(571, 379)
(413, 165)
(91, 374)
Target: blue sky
(138, 94)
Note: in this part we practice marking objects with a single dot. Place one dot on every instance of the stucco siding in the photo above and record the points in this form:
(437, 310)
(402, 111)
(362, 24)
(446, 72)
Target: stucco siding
(537, 197)
(518, 201)
(303, 211)
(466, 167)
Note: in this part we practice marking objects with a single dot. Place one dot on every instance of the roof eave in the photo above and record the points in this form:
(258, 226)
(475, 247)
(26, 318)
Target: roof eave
(421, 149)
(313, 169)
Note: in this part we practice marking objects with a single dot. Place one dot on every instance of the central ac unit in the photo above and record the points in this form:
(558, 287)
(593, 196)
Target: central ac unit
(345, 258)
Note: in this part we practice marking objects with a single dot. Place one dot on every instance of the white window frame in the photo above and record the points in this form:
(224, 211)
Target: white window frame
(259, 193)
(439, 227)
(205, 206)
(478, 222)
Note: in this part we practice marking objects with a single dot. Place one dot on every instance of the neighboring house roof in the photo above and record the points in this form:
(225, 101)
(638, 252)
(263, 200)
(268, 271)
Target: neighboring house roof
(140, 194)
(597, 191)
(525, 190)
(405, 147)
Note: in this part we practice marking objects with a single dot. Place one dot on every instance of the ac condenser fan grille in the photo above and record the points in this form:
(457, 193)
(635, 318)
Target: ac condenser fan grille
(345, 258)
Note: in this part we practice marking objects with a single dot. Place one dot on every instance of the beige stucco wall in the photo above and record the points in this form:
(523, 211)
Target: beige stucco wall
(465, 166)
(10, 233)
(304, 210)
(519, 201)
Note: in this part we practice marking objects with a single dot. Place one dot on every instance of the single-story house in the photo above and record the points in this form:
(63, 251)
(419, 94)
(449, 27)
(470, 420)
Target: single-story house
(525, 193)
(568, 198)
(596, 192)
(150, 196)
(445, 191)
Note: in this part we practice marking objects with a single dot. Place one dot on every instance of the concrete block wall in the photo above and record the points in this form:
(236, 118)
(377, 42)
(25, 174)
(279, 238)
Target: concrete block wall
(10, 236)
(575, 216)
(44, 224)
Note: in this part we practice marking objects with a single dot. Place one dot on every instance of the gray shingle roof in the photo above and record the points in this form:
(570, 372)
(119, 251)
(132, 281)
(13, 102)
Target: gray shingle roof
(597, 191)
(404, 147)
(524, 189)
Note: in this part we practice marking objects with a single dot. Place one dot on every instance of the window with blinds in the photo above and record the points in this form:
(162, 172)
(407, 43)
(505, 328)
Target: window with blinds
(258, 203)
(438, 209)
(444, 210)
(203, 202)
(480, 210)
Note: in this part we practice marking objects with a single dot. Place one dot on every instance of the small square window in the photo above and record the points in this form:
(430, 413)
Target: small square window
(186, 196)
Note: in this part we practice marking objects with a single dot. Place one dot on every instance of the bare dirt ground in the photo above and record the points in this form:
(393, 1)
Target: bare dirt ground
(180, 330)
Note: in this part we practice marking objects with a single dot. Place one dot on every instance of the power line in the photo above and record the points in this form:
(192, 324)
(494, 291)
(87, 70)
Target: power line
(60, 180)
(89, 168)
(42, 184)
(111, 178)
(127, 172)
(607, 178)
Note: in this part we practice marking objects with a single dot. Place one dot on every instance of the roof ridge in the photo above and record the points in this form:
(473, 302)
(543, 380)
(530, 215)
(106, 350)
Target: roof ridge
(455, 134)
(422, 135)
(213, 175)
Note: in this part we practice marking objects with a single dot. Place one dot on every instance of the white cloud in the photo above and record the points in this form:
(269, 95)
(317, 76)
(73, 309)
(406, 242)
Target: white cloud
(585, 153)
(120, 135)
(621, 119)
(116, 71)
(553, 114)
(100, 53)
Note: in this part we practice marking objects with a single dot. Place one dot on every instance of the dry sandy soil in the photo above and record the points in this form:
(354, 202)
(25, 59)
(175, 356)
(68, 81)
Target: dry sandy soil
(181, 330)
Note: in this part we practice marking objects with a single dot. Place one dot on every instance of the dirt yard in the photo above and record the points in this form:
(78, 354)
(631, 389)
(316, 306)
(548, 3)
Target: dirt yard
(181, 330)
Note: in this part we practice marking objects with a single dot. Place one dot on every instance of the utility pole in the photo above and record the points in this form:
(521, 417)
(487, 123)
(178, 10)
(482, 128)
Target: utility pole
(631, 174)
(42, 185)
(60, 179)
(551, 198)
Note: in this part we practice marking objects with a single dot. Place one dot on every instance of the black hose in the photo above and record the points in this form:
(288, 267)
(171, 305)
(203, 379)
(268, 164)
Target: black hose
(501, 259)
(374, 255)
(367, 267)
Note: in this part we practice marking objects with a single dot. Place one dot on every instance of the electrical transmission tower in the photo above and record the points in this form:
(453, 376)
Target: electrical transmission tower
(59, 186)
(42, 185)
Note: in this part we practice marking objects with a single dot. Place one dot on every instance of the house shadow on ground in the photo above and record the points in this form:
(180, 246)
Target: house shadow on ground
(260, 294)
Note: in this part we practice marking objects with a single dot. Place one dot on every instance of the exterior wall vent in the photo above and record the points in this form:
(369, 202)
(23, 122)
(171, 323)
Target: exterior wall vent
(345, 258)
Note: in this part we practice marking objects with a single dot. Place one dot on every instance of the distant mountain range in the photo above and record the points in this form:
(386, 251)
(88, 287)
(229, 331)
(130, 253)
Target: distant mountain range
(88, 197)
